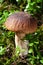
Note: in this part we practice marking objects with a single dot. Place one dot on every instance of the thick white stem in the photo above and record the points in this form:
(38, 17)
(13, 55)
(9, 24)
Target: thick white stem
(22, 44)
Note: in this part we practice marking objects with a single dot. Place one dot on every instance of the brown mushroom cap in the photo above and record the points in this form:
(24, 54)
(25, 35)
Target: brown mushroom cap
(21, 22)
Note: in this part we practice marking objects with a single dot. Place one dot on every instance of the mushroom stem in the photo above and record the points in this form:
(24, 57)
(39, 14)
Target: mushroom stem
(22, 44)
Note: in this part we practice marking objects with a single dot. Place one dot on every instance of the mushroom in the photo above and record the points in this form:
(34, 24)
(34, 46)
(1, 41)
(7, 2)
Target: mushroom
(21, 23)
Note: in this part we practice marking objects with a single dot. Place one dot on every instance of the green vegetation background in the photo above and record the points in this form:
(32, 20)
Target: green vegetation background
(8, 55)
